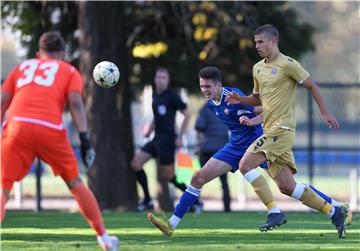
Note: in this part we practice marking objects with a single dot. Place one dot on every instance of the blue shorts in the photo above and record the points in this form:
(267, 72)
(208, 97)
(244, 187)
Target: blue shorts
(232, 155)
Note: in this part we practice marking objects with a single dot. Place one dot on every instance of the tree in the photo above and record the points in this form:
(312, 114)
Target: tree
(109, 109)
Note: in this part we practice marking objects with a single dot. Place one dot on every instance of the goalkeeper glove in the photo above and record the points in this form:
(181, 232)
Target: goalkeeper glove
(87, 151)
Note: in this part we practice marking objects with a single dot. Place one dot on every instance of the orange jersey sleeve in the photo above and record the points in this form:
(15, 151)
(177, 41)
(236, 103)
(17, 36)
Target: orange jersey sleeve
(76, 82)
(10, 81)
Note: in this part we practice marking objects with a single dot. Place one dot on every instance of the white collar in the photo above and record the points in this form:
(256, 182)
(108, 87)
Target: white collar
(222, 94)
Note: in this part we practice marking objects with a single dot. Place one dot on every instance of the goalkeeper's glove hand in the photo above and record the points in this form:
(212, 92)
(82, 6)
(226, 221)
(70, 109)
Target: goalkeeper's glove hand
(87, 151)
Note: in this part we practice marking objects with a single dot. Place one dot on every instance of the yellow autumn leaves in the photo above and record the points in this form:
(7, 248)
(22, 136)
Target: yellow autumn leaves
(202, 33)
(150, 50)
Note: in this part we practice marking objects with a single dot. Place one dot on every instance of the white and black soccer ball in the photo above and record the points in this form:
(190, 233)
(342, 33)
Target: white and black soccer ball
(106, 74)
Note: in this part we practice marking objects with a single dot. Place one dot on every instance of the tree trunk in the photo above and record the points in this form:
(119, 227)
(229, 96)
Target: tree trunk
(103, 38)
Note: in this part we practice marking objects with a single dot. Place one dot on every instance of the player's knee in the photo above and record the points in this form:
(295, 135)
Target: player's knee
(285, 188)
(135, 165)
(5, 193)
(197, 180)
(244, 168)
(168, 175)
(73, 183)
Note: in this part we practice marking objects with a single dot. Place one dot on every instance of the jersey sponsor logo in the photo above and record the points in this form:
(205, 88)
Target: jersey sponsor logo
(274, 70)
(162, 110)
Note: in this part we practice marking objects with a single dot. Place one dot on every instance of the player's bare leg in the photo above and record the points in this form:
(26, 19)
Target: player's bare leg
(212, 169)
(247, 167)
(137, 165)
(4, 193)
(168, 172)
(91, 211)
(308, 197)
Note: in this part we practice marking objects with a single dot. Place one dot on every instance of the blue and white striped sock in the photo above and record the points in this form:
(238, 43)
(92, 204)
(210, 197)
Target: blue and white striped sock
(187, 199)
(325, 197)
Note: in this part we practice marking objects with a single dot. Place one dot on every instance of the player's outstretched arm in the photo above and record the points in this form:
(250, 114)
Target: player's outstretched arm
(6, 98)
(184, 125)
(185, 122)
(150, 129)
(258, 109)
(78, 114)
(77, 111)
(330, 120)
(234, 98)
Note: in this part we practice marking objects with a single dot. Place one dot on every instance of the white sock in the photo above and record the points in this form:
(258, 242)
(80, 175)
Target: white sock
(275, 210)
(174, 221)
(104, 239)
(331, 212)
(335, 203)
(298, 191)
(252, 175)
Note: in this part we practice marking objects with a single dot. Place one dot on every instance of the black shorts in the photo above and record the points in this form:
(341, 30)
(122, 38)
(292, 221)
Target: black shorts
(163, 147)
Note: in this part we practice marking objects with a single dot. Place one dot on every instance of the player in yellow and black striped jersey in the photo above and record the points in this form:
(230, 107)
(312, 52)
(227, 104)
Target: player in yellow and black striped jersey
(275, 79)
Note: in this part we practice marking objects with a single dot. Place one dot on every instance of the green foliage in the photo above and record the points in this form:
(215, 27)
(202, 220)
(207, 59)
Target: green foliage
(34, 18)
(208, 231)
(196, 33)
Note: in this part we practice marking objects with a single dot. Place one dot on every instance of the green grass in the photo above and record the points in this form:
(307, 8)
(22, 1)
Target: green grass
(208, 231)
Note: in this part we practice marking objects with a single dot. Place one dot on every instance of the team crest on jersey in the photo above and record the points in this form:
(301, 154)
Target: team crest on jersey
(274, 70)
(226, 111)
(162, 109)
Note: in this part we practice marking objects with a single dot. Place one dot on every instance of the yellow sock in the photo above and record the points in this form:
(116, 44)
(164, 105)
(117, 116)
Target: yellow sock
(312, 200)
(271, 205)
(262, 189)
(327, 208)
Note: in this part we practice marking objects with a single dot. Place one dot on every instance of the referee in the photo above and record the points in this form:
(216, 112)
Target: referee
(166, 102)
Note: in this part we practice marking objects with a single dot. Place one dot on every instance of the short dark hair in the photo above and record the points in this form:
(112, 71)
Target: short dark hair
(210, 72)
(163, 69)
(52, 41)
(269, 29)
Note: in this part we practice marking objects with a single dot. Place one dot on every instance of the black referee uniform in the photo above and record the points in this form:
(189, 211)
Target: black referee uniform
(164, 107)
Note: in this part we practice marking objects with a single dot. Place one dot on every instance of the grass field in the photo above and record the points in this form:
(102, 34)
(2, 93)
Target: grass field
(208, 231)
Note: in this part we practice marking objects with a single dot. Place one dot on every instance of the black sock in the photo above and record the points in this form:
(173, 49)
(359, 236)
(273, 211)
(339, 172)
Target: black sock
(226, 192)
(142, 179)
(180, 186)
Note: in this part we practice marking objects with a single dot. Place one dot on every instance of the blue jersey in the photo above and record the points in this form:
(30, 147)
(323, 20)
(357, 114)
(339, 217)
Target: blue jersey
(240, 135)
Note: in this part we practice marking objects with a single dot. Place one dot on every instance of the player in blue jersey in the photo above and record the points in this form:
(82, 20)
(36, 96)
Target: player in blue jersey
(226, 159)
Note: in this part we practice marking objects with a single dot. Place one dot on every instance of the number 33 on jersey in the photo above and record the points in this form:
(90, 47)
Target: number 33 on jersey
(39, 88)
(45, 72)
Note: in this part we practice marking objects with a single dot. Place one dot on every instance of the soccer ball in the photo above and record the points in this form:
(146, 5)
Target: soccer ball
(106, 74)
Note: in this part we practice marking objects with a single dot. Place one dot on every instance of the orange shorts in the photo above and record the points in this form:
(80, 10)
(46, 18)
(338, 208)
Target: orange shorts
(21, 142)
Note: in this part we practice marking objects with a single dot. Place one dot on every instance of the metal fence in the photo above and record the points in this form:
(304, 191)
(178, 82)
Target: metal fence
(321, 149)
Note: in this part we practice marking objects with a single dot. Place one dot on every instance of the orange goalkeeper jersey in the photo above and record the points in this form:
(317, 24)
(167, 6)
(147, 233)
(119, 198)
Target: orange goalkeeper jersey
(39, 88)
